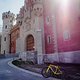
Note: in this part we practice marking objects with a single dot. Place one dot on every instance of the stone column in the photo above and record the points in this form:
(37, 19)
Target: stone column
(39, 46)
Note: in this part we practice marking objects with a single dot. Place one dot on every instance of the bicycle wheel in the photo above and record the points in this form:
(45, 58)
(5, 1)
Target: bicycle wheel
(44, 73)
(59, 73)
(64, 75)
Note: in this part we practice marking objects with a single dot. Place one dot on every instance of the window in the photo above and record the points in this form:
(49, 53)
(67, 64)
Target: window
(4, 38)
(6, 16)
(66, 35)
(20, 23)
(6, 27)
(47, 20)
(49, 39)
(4, 51)
(79, 18)
(37, 8)
(10, 20)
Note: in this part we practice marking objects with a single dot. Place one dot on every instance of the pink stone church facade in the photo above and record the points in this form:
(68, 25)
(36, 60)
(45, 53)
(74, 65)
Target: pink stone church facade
(62, 24)
(67, 26)
(54, 29)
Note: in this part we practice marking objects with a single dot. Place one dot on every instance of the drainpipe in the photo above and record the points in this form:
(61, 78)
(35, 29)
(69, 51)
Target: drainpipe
(55, 31)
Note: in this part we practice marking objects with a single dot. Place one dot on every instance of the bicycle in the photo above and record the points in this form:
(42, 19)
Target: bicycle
(52, 71)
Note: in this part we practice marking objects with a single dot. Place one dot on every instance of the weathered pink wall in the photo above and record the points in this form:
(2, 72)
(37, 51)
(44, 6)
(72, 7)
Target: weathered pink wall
(67, 20)
(48, 29)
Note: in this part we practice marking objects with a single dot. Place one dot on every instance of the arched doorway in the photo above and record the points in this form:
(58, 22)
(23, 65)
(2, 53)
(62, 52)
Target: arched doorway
(30, 43)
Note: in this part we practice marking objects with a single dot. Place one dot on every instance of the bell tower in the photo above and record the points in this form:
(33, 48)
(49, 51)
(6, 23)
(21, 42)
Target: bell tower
(8, 19)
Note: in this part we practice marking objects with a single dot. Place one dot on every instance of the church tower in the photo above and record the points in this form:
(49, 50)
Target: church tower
(8, 19)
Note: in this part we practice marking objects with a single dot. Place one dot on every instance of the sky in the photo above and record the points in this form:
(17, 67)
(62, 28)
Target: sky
(10, 5)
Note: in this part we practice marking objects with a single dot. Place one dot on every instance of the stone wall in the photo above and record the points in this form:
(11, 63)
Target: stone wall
(65, 57)
(29, 56)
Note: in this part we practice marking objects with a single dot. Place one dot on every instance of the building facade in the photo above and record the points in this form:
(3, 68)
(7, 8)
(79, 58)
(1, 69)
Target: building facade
(14, 35)
(7, 18)
(62, 27)
(0, 42)
(52, 30)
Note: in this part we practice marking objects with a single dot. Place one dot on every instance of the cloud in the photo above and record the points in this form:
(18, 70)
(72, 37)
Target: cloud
(10, 5)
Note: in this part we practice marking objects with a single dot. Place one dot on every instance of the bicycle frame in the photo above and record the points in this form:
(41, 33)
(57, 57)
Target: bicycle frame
(57, 69)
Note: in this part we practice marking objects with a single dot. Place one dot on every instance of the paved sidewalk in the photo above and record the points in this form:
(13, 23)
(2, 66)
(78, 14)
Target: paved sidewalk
(32, 69)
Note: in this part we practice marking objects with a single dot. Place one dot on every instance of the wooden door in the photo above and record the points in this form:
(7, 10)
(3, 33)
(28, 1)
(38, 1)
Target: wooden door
(30, 43)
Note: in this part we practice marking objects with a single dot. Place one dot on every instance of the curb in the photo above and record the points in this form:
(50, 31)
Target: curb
(26, 71)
